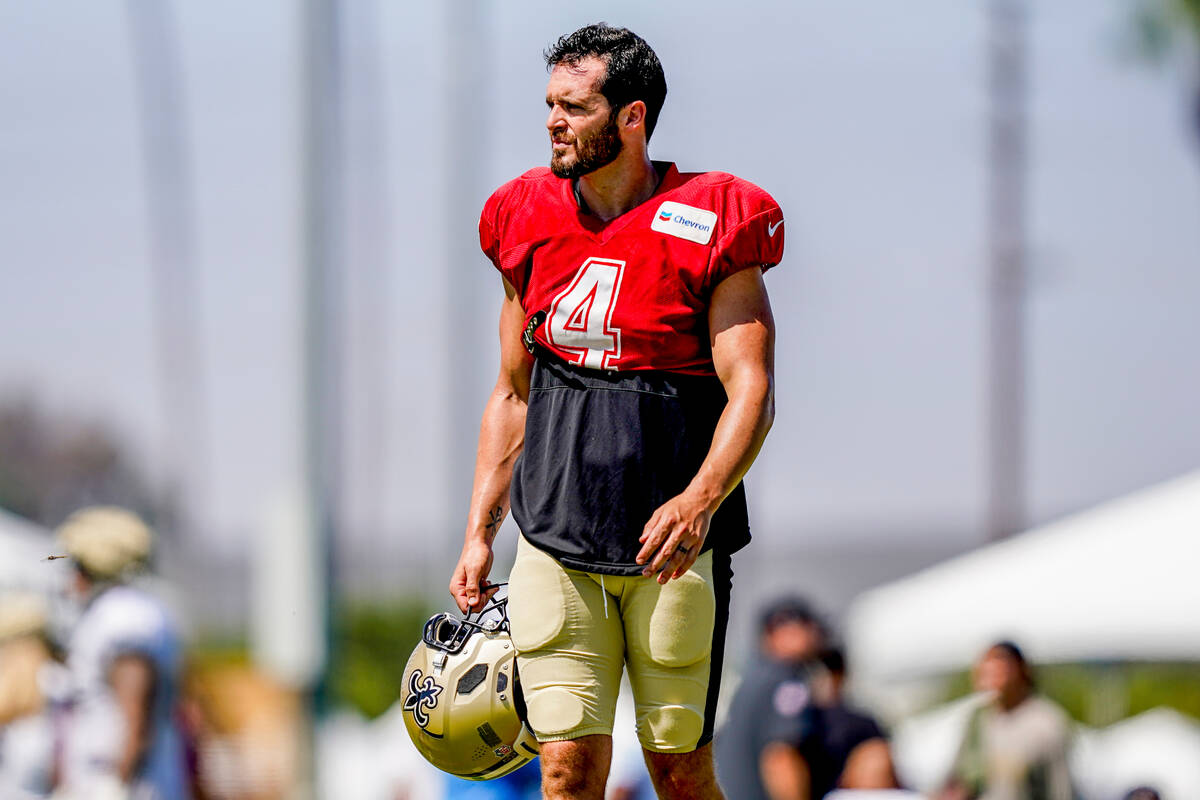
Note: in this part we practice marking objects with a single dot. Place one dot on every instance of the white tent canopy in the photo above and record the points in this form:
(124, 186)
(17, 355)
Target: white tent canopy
(1118, 582)
(1159, 748)
(24, 547)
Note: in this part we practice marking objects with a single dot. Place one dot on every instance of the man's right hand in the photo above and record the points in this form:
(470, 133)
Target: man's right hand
(469, 576)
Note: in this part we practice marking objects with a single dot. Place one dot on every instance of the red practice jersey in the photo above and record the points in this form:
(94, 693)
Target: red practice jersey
(631, 293)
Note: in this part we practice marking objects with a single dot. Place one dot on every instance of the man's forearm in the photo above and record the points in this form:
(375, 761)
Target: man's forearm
(743, 348)
(501, 437)
(739, 435)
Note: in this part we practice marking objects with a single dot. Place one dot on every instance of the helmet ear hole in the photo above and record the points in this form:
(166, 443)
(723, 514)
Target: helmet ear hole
(445, 631)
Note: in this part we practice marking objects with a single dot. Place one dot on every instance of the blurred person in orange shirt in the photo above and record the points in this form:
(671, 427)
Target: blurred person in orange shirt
(28, 671)
(1015, 746)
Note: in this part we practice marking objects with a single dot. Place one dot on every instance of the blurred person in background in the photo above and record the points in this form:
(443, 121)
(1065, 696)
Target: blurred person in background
(1015, 746)
(772, 717)
(121, 739)
(29, 672)
(849, 750)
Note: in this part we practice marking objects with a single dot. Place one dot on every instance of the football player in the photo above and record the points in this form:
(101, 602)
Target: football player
(124, 655)
(635, 391)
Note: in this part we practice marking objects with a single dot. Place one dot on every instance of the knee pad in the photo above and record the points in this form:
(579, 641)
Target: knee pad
(554, 711)
(670, 729)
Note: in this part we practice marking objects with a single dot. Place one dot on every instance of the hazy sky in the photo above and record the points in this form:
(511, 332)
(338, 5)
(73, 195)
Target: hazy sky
(864, 119)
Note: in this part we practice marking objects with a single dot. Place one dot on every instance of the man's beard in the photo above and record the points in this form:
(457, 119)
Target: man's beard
(591, 153)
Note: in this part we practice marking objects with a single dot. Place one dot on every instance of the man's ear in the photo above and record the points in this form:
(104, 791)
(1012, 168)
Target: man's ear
(633, 115)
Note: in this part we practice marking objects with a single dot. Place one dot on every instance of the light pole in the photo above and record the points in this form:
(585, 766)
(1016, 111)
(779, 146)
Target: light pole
(1007, 189)
(169, 211)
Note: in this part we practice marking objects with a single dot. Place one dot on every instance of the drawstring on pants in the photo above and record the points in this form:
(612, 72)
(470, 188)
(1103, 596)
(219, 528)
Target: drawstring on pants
(604, 592)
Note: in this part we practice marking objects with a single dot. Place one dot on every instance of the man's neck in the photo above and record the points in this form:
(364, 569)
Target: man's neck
(618, 187)
(1009, 701)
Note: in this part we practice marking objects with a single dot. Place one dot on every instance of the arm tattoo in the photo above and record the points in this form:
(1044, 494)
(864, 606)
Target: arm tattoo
(495, 517)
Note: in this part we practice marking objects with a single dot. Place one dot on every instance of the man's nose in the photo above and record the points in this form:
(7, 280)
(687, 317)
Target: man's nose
(555, 120)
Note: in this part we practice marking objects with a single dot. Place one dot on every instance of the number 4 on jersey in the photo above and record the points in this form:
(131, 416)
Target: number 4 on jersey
(581, 315)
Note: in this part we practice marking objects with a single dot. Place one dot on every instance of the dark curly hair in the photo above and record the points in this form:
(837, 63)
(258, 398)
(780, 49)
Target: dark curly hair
(632, 70)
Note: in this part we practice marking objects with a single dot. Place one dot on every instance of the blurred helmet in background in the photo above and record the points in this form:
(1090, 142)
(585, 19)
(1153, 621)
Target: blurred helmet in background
(109, 543)
(22, 614)
(462, 701)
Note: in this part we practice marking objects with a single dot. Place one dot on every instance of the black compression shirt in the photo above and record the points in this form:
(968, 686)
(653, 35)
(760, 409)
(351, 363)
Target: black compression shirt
(603, 450)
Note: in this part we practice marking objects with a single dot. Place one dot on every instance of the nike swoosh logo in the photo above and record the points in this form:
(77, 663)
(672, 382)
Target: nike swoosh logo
(772, 228)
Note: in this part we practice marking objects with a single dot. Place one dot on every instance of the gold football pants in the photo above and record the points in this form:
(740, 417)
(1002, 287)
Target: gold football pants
(575, 631)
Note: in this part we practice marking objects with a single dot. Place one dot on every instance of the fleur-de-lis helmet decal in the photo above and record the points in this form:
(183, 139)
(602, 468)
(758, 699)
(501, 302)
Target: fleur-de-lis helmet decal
(422, 697)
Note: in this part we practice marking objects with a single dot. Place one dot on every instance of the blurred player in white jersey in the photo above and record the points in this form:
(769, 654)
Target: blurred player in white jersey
(121, 740)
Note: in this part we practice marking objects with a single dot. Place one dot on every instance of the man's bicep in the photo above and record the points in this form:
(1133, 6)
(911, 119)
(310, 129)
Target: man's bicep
(741, 326)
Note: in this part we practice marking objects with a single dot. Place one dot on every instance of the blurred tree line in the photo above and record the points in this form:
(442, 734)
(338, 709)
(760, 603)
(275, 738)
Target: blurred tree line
(52, 464)
(1164, 27)
(1100, 694)
(371, 645)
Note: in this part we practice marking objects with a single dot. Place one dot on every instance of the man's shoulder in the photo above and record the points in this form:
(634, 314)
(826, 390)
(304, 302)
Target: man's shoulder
(530, 198)
(127, 613)
(850, 723)
(735, 201)
(769, 673)
(732, 192)
(1046, 712)
(538, 179)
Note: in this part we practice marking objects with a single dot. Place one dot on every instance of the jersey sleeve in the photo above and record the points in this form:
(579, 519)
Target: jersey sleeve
(754, 237)
(133, 625)
(490, 232)
(496, 237)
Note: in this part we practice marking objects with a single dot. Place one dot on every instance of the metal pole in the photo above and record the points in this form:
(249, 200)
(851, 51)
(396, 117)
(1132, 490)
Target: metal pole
(471, 293)
(369, 228)
(1007, 188)
(322, 292)
(169, 209)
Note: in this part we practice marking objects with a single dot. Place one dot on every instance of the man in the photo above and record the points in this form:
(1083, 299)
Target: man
(850, 750)
(621, 442)
(771, 718)
(124, 659)
(1015, 748)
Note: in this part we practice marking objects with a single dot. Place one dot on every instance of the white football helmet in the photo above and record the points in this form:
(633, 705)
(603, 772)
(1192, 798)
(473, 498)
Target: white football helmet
(461, 697)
